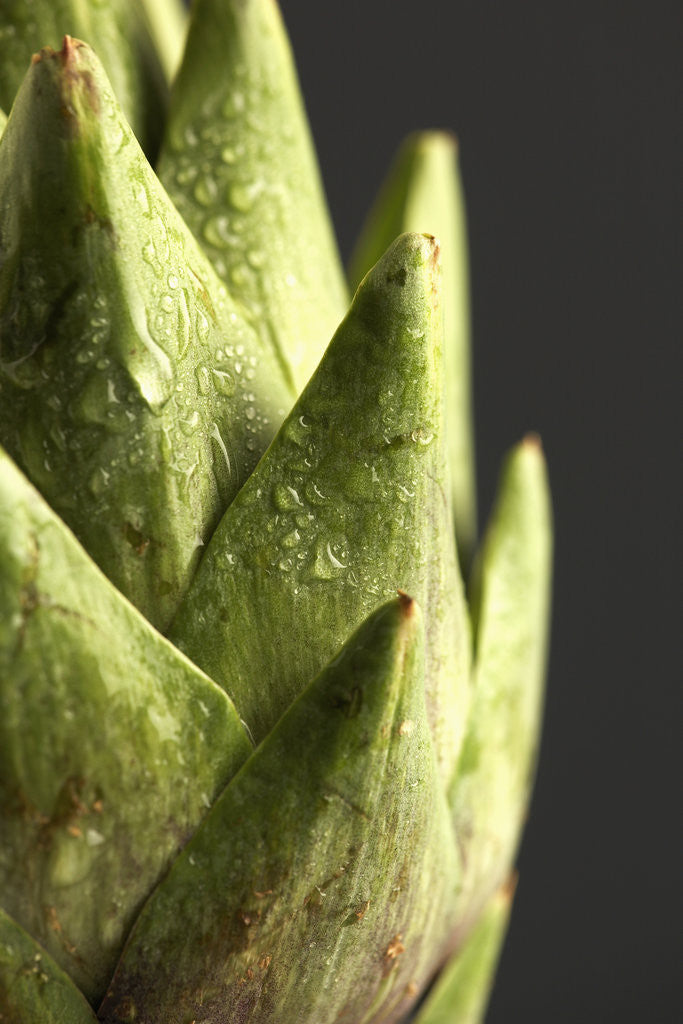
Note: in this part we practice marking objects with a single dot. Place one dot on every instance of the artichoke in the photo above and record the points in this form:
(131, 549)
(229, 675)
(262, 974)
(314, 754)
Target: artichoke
(262, 756)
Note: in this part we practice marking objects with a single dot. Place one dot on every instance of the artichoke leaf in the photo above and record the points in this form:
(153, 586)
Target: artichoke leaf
(239, 163)
(423, 192)
(347, 506)
(112, 745)
(3, 121)
(461, 992)
(168, 26)
(510, 596)
(118, 30)
(33, 988)
(133, 391)
(317, 888)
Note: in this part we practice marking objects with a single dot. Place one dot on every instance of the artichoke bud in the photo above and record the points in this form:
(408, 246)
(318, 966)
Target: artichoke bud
(239, 163)
(118, 30)
(112, 744)
(340, 513)
(423, 192)
(33, 988)
(510, 607)
(134, 392)
(322, 898)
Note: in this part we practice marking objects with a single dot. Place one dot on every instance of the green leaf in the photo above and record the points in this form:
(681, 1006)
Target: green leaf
(168, 25)
(239, 163)
(319, 886)
(112, 745)
(423, 192)
(3, 121)
(33, 989)
(118, 30)
(510, 604)
(133, 392)
(461, 992)
(347, 506)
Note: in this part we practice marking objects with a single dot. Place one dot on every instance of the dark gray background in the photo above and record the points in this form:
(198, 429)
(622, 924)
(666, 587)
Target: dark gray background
(569, 125)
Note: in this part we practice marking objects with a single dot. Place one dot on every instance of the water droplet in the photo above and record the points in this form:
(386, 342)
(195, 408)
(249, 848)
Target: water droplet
(149, 253)
(291, 539)
(314, 494)
(201, 326)
(167, 303)
(286, 498)
(404, 494)
(205, 190)
(190, 136)
(203, 376)
(172, 281)
(216, 231)
(186, 175)
(241, 198)
(234, 104)
(255, 258)
(223, 382)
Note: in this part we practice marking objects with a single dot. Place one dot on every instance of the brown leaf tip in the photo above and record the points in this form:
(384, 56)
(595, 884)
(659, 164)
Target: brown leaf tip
(532, 441)
(69, 49)
(406, 603)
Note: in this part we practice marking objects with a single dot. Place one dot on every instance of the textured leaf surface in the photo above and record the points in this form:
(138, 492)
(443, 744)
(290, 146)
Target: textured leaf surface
(347, 506)
(462, 990)
(33, 989)
(510, 603)
(319, 886)
(117, 30)
(423, 192)
(132, 390)
(238, 161)
(112, 745)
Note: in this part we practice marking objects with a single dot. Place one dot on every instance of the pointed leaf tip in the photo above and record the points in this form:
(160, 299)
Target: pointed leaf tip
(510, 605)
(318, 887)
(342, 511)
(119, 32)
(136, 394)
(239, 163)
(423, 192)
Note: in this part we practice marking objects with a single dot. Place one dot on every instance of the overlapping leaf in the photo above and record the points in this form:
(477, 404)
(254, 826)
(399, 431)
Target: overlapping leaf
(168, 26)
(319, 886)
(461, 992)
(118, 30)
(238, 162)
(133, 391)
(112, 745)
(423, 192)
(33, 989)
(348, 505)
(510, 604)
